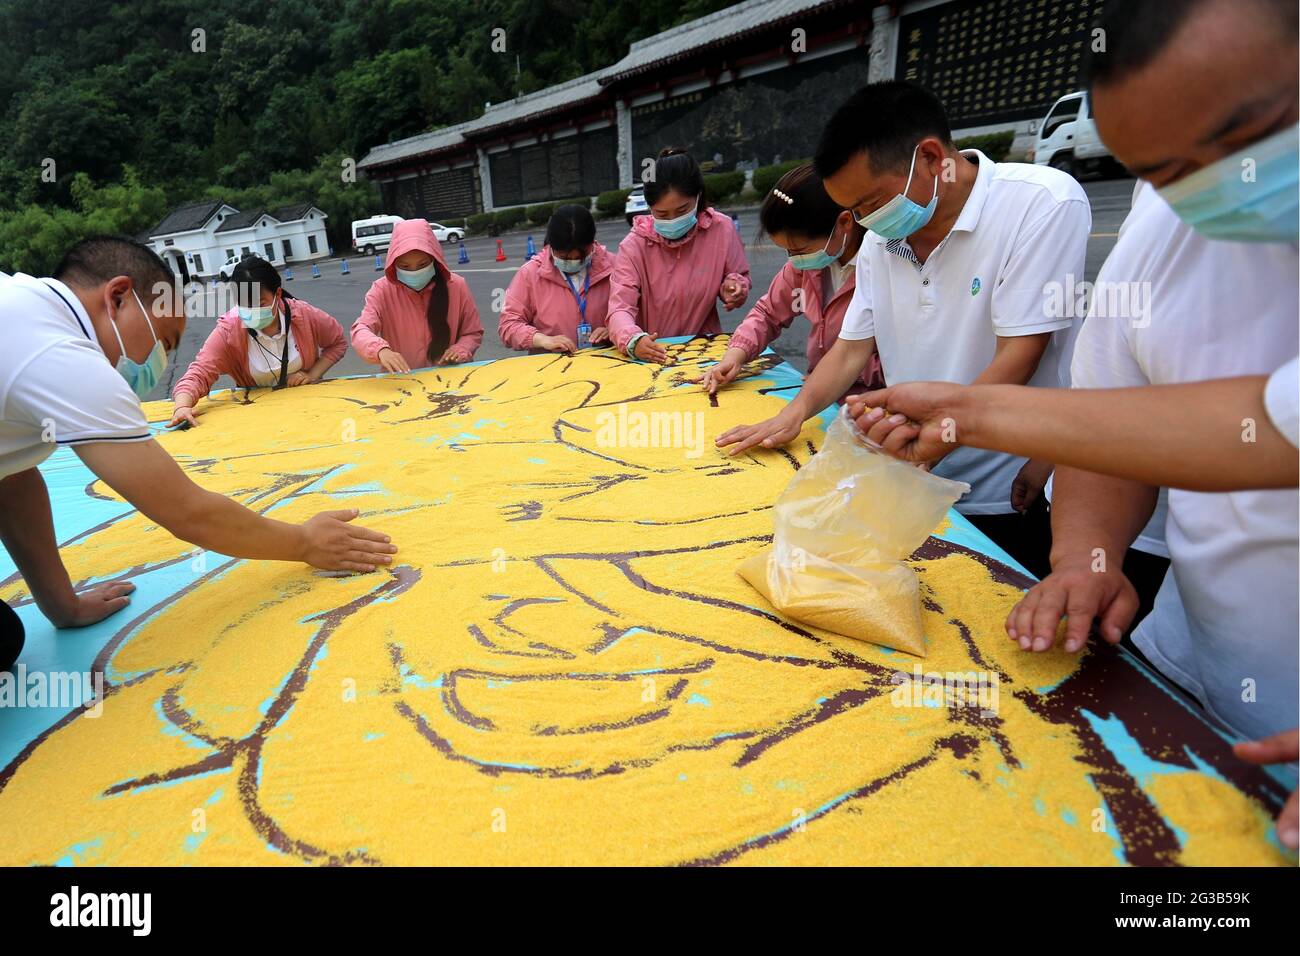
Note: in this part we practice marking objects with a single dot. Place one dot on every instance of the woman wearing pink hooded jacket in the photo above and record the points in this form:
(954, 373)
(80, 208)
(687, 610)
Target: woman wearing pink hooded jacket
(675, 264)
(817, 282)
(419, 313)
(270, 339)
(556, 292)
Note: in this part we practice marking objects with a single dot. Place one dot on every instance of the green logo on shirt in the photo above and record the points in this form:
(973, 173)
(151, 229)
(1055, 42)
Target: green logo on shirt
(975, 286)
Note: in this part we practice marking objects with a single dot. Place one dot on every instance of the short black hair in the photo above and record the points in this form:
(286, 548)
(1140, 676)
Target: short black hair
(886, 120)
(571, 227)
(1135, 32)
(98, 259)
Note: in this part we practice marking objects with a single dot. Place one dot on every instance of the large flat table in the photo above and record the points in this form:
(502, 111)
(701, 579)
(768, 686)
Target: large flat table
(562, 665)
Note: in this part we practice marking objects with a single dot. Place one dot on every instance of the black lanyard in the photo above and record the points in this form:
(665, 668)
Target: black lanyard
(284, 357)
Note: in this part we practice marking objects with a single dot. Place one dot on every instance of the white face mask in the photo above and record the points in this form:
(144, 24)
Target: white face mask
(417, 279)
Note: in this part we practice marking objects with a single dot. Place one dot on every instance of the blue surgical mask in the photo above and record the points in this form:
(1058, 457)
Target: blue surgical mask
(1219, 201)
(141, 376)
(900, 217)
(417, 279)
(256, 318)
(818, 260)
(676, 228)
(571, 266)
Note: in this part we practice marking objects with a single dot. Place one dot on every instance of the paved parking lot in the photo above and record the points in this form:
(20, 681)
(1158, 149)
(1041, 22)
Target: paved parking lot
(342, 295)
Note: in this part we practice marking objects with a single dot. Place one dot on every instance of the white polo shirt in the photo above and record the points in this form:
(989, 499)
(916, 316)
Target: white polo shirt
(1218, 310)
(56, 385)
(1088, 374)
(1023, 228)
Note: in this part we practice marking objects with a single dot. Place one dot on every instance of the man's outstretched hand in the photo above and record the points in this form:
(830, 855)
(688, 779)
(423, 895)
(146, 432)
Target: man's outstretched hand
(916, 422)
(331, 543)
(92, 605)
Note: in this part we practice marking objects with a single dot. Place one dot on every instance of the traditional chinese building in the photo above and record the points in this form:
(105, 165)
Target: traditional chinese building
(749, 85)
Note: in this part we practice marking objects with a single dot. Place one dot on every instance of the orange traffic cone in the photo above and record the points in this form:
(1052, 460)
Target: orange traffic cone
(501, 253)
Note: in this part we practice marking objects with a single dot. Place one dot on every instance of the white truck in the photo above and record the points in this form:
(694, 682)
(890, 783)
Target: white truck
(1067, 139)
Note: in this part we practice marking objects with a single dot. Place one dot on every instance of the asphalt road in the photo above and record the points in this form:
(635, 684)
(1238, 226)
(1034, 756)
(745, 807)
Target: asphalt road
(342, 295)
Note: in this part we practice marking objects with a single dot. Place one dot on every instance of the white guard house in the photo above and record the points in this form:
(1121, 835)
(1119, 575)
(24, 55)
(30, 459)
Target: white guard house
(196, 238)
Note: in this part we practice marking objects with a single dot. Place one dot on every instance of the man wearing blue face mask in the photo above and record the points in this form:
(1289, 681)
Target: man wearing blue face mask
(1199, 99)
(950, 282)
(77, 351)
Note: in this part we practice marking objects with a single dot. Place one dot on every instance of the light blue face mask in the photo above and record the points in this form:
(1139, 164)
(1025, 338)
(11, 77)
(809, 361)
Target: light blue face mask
(676, 228)
(141, 376)
(1251, 196)
(818, 260)
(900, 217)
(571, 266)
(417, 279)
(256, 318)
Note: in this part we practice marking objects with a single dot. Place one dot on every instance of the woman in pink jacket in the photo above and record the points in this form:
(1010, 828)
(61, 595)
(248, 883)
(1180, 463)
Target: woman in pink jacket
(817, 282)
(279, 341)
(675, 264)
(419, 313)
(560, 290)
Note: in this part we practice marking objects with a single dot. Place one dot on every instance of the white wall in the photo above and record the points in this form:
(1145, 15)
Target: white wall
(211, 246)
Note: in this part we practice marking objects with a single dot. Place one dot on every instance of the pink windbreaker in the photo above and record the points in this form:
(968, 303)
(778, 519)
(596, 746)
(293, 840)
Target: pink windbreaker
(315, 333)
(670, 287)
(394, 315)
(539, 300)
(775, 312)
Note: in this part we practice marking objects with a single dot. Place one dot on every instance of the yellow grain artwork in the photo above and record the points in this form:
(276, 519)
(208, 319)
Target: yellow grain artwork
(563, 666)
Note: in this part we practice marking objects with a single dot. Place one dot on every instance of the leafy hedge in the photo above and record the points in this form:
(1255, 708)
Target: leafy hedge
(505, 218)
(996, 146)
(479, 222)
(612, 202)
(540, 214)
(722, 186)
(765, 177)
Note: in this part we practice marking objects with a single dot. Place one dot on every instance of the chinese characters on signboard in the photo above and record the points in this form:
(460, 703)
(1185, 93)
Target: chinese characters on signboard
(993, 61)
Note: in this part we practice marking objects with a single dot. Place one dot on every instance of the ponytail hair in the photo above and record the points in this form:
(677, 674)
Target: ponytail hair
(676, 170)
(436, 313)
(799, 204)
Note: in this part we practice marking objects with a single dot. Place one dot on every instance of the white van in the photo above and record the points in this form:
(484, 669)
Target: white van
(1067, 138)
(374, 234)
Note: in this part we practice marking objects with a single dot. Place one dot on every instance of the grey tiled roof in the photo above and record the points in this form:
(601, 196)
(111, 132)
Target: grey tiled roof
(190, 215)
(644, 55)
(547, 100)
(681, 41)
(291, 212)
(241, 220)
(418, 145)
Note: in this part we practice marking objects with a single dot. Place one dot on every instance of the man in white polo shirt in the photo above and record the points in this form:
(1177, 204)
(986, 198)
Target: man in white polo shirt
(77, 351)
(1198, 98)
(950, 283)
